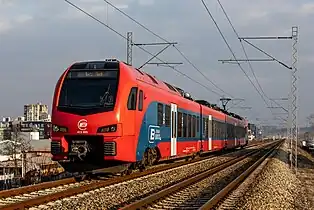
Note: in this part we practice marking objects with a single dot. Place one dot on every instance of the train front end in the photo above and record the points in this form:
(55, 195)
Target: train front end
(86, 123)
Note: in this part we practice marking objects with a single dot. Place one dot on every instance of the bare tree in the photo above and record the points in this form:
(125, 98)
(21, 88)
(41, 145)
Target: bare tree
(19, 144)
(310, 120)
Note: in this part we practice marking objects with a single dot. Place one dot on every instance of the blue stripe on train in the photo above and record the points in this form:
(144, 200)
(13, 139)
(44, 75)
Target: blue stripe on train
(150, 134)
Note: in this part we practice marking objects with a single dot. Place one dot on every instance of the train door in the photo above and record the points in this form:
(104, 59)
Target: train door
(235, 135)
(225, 132)
(174, 126)
(210, 133)
(131, 113)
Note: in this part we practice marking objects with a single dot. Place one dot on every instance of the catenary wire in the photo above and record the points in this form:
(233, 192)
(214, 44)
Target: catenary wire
(226, 42)
(233, 54)
(245, 53)
(243, 48)
(115, 31)
(160, 37)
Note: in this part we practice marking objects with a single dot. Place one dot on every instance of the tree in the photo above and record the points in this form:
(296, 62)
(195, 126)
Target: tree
(18, 144)
(310, 120)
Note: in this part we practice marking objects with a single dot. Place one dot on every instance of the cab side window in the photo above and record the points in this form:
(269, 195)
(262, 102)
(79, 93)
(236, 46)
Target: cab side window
(160, 114)
(132, 101)
(167, 115)
(140, 100)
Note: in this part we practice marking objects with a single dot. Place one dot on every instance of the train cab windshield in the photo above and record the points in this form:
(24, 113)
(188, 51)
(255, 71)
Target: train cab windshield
(88, 91)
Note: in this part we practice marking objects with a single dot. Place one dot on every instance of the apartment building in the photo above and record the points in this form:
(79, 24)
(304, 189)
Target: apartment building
(5, 129)
(36, 112)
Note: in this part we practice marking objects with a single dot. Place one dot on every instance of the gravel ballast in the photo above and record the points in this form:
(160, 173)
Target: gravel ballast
(276, 187)
(196, 195)
(112, 196)
(306, 175)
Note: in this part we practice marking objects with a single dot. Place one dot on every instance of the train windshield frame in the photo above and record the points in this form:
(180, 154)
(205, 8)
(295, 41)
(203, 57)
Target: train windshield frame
(87, 92)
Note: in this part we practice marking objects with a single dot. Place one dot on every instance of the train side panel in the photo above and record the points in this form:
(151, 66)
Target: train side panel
(168, 121)
(144, 113)
(223, 131)
(213, 125)
(155, 131)
(231, 132)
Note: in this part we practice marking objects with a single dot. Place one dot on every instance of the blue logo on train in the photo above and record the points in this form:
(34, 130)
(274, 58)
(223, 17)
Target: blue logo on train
(154, 133)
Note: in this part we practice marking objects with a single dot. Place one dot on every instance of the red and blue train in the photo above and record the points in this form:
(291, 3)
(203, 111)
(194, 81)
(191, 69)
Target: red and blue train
(107, 113)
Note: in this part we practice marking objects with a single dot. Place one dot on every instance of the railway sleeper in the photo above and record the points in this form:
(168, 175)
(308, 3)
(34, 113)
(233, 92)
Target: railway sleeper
(151, 157)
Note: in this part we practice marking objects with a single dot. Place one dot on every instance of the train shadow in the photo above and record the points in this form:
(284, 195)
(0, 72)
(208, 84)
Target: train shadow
(304, 159)
(304, 162)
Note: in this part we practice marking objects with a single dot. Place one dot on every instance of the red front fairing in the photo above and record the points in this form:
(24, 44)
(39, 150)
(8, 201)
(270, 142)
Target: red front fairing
(71, 122)
(85, 126)
(93, 122)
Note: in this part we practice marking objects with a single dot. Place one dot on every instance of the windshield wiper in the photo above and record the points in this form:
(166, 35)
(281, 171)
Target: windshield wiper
(106, 99)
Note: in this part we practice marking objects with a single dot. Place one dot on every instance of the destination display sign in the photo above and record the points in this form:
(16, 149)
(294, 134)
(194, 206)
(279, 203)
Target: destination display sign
(93, 74)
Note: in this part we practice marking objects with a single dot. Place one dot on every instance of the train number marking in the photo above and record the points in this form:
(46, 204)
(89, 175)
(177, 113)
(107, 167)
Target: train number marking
(154, 133)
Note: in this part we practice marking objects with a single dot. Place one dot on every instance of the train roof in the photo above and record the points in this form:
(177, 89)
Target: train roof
(111, 64)
(148, 78)
(114, 63)
(217, 108)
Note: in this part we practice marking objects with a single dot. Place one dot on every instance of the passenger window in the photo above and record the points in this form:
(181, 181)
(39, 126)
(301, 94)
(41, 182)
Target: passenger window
(174, 128)
(132, 101)
(180, 124)
(185, 129)
(214, 129)
(206, 127)
(160, 113)
(198, 124)
(167, 115)
(140, 100)
(194, 126)
(189, 126)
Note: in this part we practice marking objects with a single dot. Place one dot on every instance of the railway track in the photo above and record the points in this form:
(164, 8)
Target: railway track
(28, 189)
(222, 201)
(46, 192)
(41, 190)
(207, 189)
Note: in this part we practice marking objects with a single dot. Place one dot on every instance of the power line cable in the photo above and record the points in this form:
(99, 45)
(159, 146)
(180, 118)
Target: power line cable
(124, 37)
(243, 48)
(160, 37)
(233, 54)
(267, 54)
(245, 53)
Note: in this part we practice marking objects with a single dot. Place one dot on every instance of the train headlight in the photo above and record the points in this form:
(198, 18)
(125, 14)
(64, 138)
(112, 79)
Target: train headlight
(57, 128)
(107, 129)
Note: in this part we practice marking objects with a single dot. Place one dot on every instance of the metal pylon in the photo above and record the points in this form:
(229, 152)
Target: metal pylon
(294, 105)
(129, 48)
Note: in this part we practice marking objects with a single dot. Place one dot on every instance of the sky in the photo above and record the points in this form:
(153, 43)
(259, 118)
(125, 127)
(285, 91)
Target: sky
(40, 39)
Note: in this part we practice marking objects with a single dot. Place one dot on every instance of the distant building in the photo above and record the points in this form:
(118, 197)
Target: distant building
(20, 118)
(32, 167)
(43, 145)
(36, 130)
(6, 119)
(36, 112)
(34, 125)
(43, 128)
(251, 131)
(5, 133)
(5, 129)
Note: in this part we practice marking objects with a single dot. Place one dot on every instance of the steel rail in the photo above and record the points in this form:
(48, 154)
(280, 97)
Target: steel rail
(141, 204)
(36, 187)
(89, 187)
(235, 183)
